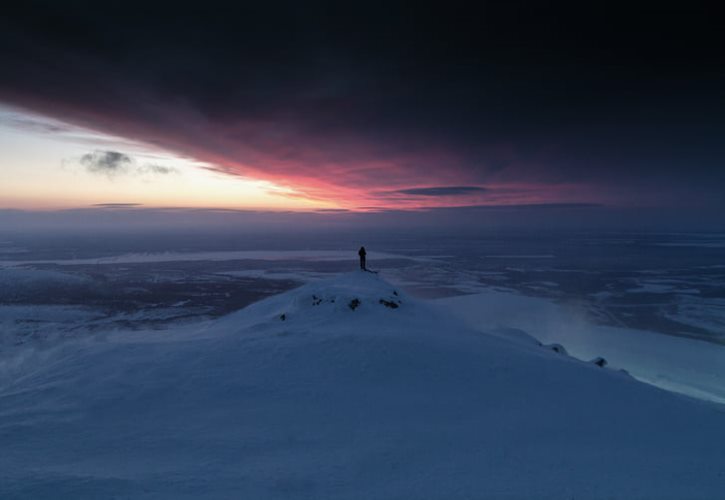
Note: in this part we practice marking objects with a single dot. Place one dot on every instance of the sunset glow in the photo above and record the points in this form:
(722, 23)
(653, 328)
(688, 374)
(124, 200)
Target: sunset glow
(43, 170)
(338, 120)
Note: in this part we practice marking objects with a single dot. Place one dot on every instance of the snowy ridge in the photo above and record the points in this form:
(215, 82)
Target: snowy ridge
(342, 402)
(353, 297)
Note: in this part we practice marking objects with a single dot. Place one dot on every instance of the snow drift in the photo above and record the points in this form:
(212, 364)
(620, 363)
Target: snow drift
(345, 388)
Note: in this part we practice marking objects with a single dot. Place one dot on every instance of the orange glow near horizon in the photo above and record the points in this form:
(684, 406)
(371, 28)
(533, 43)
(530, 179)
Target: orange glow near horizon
(45, 165)
(41, 171)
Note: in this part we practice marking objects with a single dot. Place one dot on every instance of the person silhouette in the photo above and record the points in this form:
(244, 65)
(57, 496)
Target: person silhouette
(362, 253)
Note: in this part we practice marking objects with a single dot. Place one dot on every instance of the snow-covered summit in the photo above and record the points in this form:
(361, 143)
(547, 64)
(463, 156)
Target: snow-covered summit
(305, 396)
(332, 299)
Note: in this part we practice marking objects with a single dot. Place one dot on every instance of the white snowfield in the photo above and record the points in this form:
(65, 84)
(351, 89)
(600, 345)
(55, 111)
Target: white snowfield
(330, 391)
(684, 365)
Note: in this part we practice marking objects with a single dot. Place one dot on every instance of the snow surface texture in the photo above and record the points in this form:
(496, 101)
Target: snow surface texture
(684, 365)
(330, 391)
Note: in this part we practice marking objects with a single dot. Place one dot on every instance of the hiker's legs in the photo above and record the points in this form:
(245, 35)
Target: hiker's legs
(362, 263)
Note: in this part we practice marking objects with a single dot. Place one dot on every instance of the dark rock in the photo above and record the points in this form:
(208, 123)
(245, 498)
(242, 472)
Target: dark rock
(354, 303)
(389, 303)
(283, 317)
(558, 348)
(600, 362)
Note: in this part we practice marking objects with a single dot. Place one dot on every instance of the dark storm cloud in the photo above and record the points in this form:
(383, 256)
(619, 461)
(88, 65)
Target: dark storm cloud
(442, 191)
(379, 96)
(106, 162)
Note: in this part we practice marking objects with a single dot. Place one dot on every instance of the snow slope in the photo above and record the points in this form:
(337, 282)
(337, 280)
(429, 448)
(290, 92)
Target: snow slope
(304, 396)
(684, 365)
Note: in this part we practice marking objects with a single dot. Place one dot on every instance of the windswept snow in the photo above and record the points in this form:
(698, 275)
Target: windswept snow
(679, 364)
(303, 395)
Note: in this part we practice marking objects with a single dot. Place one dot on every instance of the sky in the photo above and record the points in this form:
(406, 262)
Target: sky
(51, 165)
(603, 110)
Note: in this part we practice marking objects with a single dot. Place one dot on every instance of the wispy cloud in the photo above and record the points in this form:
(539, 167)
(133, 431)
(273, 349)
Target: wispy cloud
(33, 123)
(109, 163)
(117, 205)
(157, 169)
(441, 191)
(114, 163)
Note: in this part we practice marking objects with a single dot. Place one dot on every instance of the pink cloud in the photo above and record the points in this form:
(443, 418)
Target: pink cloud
(327, 165)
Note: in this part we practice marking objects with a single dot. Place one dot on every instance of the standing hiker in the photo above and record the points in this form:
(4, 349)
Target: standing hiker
(362, 253)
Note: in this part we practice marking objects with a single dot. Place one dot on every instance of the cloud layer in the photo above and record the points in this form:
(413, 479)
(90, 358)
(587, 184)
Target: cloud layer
(114, 163)
(442, 191)
(384, 105)
(110, 163)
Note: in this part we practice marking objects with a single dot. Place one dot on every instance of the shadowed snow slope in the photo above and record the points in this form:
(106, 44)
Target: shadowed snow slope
(345, 388)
